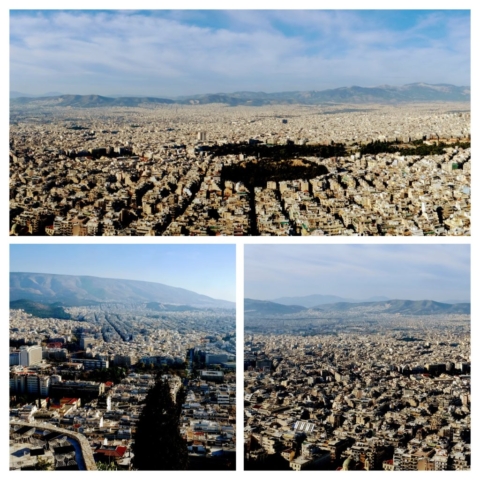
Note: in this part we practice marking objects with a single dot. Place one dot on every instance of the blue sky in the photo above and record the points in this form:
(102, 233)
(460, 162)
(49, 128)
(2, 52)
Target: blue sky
(407, 272)
(183, 52)
(205, 269)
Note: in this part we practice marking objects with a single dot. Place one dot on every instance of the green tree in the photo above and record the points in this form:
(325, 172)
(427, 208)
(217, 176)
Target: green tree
(158, 443)
(43, 464)
(107, 466)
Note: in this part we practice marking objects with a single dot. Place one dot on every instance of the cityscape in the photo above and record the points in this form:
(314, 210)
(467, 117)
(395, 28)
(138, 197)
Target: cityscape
(283, 156)
(87, 352)
(207, 170)
(233, 125)
(357, 385)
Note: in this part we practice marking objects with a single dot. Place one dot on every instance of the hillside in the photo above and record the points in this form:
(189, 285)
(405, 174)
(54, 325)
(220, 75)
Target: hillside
(314, 300)
(76, 289)
(258, 307)
(40, 310)
(404, 307)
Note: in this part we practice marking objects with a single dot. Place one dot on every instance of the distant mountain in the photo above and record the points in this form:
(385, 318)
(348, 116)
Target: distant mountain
(258, 307)
(88, 101)
(414, 92)
(41, 310)
(309, 301)
(76, 289)
(314, 300)
(404, 307)
(15, 94)
(385, 94)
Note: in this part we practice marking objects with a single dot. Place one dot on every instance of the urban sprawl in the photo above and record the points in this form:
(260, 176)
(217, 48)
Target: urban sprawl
(389, 395)
(77, 386)
(194, 170)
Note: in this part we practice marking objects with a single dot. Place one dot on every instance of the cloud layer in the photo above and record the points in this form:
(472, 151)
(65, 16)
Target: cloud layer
(170, 53)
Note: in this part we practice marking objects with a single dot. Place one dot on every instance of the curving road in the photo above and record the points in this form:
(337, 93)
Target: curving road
(85, 450)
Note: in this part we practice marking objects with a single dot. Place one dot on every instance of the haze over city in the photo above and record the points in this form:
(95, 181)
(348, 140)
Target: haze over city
(186, 52)
(409, 272)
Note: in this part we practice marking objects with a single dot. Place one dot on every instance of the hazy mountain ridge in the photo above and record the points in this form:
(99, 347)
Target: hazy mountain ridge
(269, 308)
(75, 289)
(88, 101)
(414, 92)
(406, 307)
(402, 307)
(314, 300)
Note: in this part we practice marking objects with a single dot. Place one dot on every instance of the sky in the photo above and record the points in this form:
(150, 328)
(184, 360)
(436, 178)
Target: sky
(168, 53)
(204, 269)
(397, 271)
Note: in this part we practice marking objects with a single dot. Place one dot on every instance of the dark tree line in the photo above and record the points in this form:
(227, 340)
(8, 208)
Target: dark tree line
(417, 148)
(158, 443)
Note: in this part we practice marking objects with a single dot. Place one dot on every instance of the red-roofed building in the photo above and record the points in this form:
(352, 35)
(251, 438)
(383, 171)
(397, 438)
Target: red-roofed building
(111, 451)
(70, 401)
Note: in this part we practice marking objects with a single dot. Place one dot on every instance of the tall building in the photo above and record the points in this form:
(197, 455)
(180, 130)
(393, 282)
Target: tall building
(44, 385)
(14, 358)
(86, 341)
(30, 355)
(31, 383)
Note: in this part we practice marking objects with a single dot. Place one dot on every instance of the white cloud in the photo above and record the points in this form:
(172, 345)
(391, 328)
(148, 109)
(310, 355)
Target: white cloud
(293, 49)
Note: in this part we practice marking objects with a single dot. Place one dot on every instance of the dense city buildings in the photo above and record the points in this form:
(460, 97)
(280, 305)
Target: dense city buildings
(221, 170)
(343, 372)
(392, 393)
(237, 124)
(95, 370)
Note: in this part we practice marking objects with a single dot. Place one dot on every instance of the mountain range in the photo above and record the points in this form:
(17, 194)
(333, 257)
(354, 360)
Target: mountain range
(385, 94)
(314, 300)
(85, 290)
(269, 308)
(87, 101)
(403, 307)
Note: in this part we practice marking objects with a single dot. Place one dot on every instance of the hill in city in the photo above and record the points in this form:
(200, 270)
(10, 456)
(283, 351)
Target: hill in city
(77, 289)
(41, 310)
